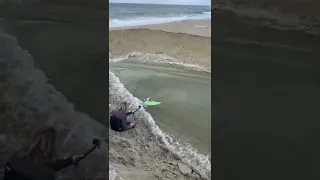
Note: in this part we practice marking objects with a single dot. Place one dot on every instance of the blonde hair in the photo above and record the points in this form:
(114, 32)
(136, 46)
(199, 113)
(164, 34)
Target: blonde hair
(123, 107)
(41, 150)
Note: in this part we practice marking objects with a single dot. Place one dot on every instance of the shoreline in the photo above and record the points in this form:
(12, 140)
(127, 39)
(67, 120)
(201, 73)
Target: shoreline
(192, 27)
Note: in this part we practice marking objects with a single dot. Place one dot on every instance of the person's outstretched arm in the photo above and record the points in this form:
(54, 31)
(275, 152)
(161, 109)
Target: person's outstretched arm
(59, 164)
(129, 113)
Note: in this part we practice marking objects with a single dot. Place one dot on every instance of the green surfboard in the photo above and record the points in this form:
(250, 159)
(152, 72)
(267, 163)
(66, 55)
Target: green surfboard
(152, 103)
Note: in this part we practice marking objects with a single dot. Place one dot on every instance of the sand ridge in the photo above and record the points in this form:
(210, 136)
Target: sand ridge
(188, 41)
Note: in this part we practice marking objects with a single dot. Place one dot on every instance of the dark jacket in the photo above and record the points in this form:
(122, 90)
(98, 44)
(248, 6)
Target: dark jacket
(118, 121)
(18, 168)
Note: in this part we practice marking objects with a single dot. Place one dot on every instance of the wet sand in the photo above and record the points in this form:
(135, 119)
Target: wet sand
(179, 40)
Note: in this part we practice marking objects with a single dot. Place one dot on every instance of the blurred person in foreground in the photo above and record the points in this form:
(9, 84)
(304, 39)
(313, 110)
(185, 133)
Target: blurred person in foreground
(36, 161)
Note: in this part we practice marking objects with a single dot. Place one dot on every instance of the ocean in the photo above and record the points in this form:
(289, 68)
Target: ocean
(122, 15)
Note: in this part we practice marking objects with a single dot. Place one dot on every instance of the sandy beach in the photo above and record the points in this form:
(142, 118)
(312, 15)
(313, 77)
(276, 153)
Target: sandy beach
(188, 41)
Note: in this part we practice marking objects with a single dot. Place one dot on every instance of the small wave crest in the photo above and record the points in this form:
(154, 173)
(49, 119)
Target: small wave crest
(138, 21)
(158, 58)
(118, 93)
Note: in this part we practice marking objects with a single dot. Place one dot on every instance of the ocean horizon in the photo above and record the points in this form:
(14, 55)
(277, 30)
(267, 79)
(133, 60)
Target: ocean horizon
(127, 14)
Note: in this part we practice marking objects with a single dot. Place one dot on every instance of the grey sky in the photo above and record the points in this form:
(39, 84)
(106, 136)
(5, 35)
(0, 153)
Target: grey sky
(191, 2)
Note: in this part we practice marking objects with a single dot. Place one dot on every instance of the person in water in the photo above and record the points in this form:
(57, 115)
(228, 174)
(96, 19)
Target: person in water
(119, 119)
(36, 160)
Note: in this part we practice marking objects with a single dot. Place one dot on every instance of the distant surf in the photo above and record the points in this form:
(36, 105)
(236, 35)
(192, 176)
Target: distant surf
(124, 15)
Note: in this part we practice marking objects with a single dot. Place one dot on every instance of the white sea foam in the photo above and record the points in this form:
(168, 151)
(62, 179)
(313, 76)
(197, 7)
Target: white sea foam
(158, 58)
(114, 23)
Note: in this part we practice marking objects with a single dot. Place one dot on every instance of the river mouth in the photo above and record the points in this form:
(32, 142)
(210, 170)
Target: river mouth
(185, 111)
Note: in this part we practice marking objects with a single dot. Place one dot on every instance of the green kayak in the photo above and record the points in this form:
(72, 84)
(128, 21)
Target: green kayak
(152, 103)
